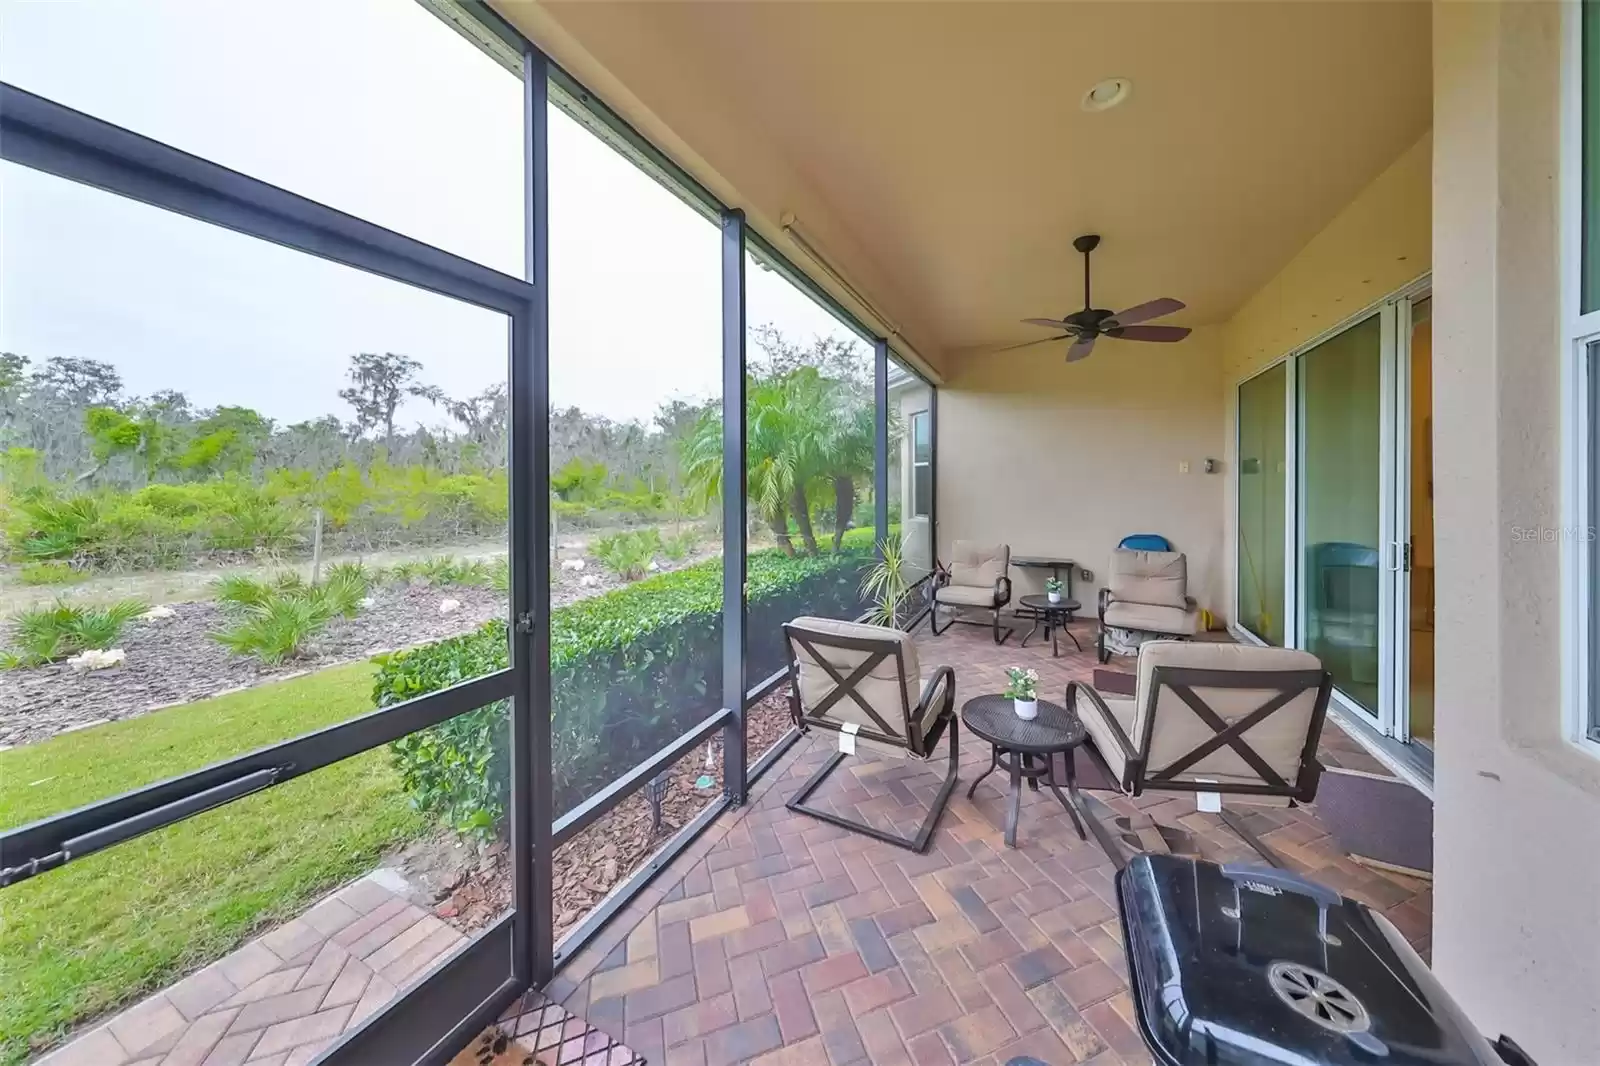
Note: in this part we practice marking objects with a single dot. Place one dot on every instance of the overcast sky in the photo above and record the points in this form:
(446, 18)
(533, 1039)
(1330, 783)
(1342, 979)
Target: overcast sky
(377, 108)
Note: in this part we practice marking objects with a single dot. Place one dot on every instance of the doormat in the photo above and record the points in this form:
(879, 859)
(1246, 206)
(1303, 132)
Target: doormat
(538, 1032)
(1377, 819)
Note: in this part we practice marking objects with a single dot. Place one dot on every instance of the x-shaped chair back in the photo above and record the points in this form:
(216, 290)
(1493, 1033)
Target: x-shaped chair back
(1246, 732)
(850, 674)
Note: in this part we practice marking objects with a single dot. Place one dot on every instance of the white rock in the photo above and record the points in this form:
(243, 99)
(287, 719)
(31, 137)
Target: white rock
(368, 603)
(654, 566)
(155, 614)
(589, 581)
(449, 606)
(572, 564)
(94, 659)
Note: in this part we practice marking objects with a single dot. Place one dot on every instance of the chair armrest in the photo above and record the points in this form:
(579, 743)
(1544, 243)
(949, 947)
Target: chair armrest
(1097, 704)
(922, 739)
(1002, 591)
(947, 675)
(1105, 601)
(941, 576)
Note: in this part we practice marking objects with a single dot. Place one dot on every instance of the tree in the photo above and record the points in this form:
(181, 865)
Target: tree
(80, 382)
(13, 371)
(378, 384)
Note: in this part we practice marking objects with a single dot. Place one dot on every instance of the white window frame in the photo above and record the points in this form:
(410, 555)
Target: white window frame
(927, 511)
(1580, 508)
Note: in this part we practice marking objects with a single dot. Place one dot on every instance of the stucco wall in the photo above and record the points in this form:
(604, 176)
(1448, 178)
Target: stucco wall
(1052, 458)
(1517, 826)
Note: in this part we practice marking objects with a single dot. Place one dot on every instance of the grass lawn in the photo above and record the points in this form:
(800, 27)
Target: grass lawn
(104, 930)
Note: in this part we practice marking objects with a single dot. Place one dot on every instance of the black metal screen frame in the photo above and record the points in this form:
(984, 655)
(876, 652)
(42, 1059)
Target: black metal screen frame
(485, 975)
(433, 1017)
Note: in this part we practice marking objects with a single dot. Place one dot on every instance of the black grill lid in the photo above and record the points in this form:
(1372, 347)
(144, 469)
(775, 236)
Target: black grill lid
(1255, 965)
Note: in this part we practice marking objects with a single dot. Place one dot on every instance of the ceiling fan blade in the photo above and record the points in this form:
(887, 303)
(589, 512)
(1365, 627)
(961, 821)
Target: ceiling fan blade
(1029, 344)
(1144, 312)
(1148, 333)
(1081, 349)
(1053, 323)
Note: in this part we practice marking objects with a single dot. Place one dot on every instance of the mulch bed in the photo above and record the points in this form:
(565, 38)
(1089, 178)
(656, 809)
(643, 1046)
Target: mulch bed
(175, 660)
(470, 888)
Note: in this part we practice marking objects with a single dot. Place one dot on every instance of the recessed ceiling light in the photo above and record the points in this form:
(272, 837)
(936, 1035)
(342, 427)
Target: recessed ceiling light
(1107, 94)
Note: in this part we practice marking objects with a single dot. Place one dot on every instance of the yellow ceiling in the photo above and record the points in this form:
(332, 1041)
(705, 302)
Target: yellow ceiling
(938, 154)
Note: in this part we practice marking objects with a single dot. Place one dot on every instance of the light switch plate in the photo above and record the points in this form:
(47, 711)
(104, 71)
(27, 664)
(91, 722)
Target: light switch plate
(1183, 466)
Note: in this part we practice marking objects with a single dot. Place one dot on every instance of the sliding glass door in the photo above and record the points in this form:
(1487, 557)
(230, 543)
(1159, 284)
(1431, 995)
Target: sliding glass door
(1263, 479)
(1334, 512)
(1341, 499)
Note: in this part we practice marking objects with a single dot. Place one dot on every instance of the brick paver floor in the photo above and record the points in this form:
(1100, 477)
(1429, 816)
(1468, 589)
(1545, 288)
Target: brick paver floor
(281, 999)
(779, 939)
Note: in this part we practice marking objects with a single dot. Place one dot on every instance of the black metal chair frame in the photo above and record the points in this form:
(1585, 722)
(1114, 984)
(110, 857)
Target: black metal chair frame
(1002, 596)
(1285, 686)
(919, 744)
(1101, 654)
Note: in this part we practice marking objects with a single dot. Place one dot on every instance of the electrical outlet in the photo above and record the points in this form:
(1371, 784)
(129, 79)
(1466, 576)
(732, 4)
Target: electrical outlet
(1086, 574)
(1183, 466)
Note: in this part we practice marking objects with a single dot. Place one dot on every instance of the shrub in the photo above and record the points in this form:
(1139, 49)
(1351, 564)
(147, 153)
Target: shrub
(276, 629)
(628, 555)
(678, 546)
(457, 771)
(274, 619)
(47, 634)
(628, 669)
(50, 573)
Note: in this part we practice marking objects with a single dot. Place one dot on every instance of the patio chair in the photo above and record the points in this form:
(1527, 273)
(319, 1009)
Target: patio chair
(975, 580)
(1233, 719)
(1148, 591)
(860, 682)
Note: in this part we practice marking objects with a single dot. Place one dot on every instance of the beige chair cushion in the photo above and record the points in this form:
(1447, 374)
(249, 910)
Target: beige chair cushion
(1104, 734)
(1179, 622)
(1279, 739)
(965, 596)
(883, 688)
(978, 565)
(1159, 579)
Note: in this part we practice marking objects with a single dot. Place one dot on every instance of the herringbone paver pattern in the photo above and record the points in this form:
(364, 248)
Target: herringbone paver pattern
(778, 939)
(281, 999)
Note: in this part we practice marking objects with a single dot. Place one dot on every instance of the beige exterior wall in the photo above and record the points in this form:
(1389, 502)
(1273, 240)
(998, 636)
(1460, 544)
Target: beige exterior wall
(1378, 244)
(1066, 460)
(1517, 832)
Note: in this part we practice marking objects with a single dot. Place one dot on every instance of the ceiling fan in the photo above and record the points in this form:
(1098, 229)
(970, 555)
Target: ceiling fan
(1084, 327)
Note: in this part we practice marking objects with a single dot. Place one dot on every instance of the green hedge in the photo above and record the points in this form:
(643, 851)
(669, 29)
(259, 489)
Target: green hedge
(630, 670)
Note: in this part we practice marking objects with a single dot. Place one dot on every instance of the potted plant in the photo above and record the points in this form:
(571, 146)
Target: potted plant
(886, 584)
(1052, 589)
(1022, 689)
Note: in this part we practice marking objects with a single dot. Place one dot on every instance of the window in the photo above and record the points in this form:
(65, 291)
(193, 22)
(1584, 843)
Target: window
(1582, 282)
(921, 465)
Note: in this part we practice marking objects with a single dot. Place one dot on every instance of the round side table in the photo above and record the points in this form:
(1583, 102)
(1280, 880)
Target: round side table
(1055, 617)
(1026, 749)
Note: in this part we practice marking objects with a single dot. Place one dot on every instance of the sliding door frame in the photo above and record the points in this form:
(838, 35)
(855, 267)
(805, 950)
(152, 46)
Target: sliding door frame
(1394, 311)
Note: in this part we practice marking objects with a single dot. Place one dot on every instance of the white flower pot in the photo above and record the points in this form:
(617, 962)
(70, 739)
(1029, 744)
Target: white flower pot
(1055, 597)
(1027, 710)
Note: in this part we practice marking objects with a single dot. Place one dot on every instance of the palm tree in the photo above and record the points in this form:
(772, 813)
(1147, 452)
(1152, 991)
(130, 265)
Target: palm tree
(803, 432)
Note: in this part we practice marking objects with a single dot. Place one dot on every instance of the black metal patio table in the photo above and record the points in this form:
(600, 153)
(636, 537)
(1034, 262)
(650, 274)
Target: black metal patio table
(1055, 617)
(1027, 749)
